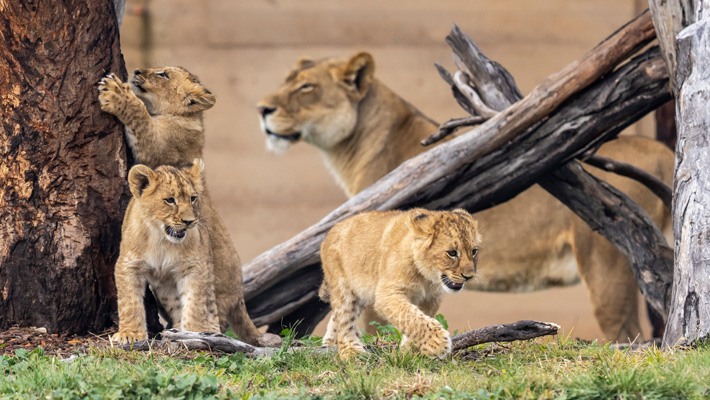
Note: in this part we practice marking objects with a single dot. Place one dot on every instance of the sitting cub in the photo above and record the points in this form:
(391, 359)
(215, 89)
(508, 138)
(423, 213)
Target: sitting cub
(402, 263)
(165, 243)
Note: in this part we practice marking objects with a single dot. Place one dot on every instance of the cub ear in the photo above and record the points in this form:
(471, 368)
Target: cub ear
(196, 172)
(140, 177)
(358, 72)
(422, 221)
(305, 62)
(199, 98)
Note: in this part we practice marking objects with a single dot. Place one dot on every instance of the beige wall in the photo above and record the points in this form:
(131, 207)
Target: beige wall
(242, 50)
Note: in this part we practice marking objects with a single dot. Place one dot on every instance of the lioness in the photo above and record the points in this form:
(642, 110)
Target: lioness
(364, 130)
(402, 263)
(162, 112)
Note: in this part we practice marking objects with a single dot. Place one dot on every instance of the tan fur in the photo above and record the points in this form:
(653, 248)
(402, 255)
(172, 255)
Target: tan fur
(365, 130)
(402, 263)
(162, 111)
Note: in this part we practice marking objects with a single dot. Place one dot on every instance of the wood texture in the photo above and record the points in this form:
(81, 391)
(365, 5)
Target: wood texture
(689, 320)
(521, 330)
(62, 165)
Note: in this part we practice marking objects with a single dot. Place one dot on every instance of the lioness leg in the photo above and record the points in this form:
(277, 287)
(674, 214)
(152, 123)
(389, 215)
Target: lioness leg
(423, 331)
(130, 288)
(611, 284)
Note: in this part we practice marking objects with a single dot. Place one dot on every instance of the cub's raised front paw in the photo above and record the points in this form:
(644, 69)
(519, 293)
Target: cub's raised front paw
(127, 337)
(436, 344)
(270, 340)
(111, 93)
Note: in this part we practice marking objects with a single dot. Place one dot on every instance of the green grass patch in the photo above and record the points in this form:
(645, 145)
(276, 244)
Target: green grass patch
(553, 369)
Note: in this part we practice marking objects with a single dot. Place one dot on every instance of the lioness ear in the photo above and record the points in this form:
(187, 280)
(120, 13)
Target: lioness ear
(358, 72)
(305, 62)
(197, 174)
(140, 178)
(422, 222)
(199, 99)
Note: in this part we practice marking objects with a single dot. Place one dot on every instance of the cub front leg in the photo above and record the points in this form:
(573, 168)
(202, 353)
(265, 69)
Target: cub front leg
(194, 288)
(130, 287)
(424, 332)
(117, 98)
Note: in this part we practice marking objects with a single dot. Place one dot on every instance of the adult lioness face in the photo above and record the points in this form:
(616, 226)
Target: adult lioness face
(317, 103)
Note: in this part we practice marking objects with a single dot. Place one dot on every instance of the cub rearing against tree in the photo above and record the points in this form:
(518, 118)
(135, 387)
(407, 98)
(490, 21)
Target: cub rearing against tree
(162, 112)
(401, 263)
(164, 244)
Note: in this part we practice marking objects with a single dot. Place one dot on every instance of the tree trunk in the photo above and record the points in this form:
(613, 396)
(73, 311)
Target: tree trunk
(62, 165)
(689, 320)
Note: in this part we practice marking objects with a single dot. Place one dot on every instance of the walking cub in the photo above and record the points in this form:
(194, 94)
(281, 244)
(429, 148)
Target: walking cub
(165, 244)
(162, 112)
(401, 263)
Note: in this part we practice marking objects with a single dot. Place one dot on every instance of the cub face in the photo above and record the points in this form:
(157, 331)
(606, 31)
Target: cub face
(446, 247)
(169, 197)
(171, 90)
(317, 103)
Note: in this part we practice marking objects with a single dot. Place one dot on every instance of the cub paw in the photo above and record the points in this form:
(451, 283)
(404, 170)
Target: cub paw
(111, 91)
(127, 337)
(269, 340)
(436, 344)
(348, 351)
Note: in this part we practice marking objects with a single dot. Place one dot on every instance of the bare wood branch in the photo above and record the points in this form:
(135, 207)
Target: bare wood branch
(624, 223)
(449, 127)
(521, 330)
(417, 174)
(461, 80)
(458, 96)
(654, 184)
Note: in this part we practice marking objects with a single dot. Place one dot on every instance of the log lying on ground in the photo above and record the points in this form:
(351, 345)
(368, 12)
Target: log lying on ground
(420, 174)
(174, 339)
(601, 111)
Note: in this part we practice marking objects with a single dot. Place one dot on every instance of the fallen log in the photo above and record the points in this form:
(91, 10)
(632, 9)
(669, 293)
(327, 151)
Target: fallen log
(174, 339)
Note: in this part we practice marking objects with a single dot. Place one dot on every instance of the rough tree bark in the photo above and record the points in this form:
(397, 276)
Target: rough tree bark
(689, 320)
(62, 165)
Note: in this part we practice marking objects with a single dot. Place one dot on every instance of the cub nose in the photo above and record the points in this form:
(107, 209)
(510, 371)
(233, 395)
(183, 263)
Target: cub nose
(137, 72)
(264, 111)
(188, 222)
(466, 277)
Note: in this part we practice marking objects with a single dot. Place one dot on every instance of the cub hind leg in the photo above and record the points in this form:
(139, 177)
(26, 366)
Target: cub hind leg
(346, 310)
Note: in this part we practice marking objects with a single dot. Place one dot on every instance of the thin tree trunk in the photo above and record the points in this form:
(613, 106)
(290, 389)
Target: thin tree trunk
(689, 320)
(62, 165)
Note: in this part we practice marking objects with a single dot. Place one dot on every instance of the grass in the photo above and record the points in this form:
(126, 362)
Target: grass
(553, 368)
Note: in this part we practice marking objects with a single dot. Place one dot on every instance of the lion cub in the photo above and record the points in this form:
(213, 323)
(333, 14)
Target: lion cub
(166, 244)
(162, 111)
(402, 263)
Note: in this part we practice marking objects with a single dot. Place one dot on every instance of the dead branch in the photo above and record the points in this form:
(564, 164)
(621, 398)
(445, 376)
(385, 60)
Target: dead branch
(654, 184)
(449, 127)
(521, 330)
(462, 82)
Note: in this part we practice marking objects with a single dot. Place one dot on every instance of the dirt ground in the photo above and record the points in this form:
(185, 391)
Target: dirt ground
(242, 50)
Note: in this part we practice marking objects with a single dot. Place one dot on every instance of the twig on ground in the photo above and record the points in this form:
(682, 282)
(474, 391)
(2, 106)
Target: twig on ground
(521, 330)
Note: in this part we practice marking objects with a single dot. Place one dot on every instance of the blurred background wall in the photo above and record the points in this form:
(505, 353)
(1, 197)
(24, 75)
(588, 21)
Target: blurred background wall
(242, 50)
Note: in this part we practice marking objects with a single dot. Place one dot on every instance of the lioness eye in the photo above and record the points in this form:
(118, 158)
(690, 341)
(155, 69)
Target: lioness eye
(452, 253)
(306, 87)
(170, 200)
(474, 252)
(162, 74)
(193, 199)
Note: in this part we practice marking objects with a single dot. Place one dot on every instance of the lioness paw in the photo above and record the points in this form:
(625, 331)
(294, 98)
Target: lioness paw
(127, 337)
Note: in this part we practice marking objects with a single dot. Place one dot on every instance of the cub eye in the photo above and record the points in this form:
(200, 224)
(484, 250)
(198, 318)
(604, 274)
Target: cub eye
(170, 200)
(193, 199)
(306, 87)
(452, 253)
(474, 252)
(163, 75)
